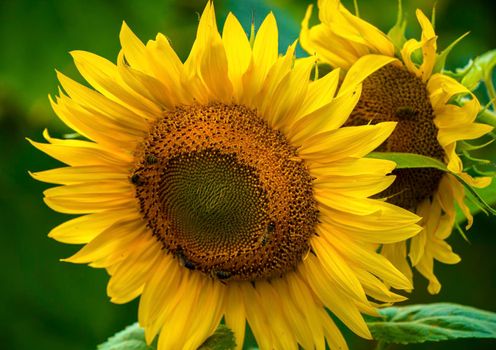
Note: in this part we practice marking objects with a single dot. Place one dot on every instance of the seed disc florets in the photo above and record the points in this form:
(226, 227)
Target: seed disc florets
(225, 194)
(395, 94)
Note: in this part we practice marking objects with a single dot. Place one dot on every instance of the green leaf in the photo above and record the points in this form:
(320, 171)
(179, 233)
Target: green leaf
(480, 69)
(468, 156)
(411, 160)
(487, 116)
(222, 339)
(441, 58)
(433, 322)
(133, 338)
(467, 146)
(488, 194)
(397, 32)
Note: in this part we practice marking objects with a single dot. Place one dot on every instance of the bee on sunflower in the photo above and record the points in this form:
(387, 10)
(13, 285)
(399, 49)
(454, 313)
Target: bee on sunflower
(225, 188)
(413, 92)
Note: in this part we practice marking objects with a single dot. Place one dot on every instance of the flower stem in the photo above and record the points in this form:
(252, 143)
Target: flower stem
(487, 117)
(491, 91)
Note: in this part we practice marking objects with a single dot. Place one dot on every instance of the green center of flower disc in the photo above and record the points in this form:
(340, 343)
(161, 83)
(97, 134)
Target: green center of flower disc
(395, 94)
(213, 200)
(224, 193)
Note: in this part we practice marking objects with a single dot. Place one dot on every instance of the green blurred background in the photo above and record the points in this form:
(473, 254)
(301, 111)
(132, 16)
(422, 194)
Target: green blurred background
(47, 304)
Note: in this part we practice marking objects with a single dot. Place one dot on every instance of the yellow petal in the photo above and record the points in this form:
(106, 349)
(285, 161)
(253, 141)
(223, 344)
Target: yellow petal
(407, 51)
(94, 126)
(235, 314)
(349, 204)
(164, 283)
(375, 288)
(238, 52)
(265, 52)
(271, 303)
(353, 167)
(294, 317)
(84, 228)
(258, 321)
(459, 195)
(360, 186)
(450, 116)
(104, 77)
(370, 261)
(426, 268)
(442, 88)
(289, 95)
(130, 275)
(443, 252)
(116, 239)
(175, 327)
(338, 269)
(417, 246)
(447, 136)
(339, 28)
(320, 41)
(361, 69)
(478, 182)
(173, 302)
(429, 45)
(334, 299)
(326, 118)
(145, 85)
(135, 51)
(315, 98)
(300, 294)
(168, 66)
(90, 189)
(214, 68)
(332, 333)
(210, 302)
(369, 229)
(454, 162)
(89, 197)
(96, 103)
(89, 154)
(369, 35)
(354, 141)
(74, 175)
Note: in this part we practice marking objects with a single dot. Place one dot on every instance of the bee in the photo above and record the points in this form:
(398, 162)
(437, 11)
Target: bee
(184, 261)
(151, 159)
(221, 274)
(271, 228)
(406, 112)
(136, 180)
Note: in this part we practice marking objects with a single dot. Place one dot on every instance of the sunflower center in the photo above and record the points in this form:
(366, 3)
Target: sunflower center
(224, 193)
(395, 94)
(213, 200)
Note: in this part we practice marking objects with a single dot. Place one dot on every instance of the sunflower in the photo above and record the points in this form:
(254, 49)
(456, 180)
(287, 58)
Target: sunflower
(222, 189)
(410, 92)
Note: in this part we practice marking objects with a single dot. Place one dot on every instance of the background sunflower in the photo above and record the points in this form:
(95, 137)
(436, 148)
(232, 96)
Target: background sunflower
(43, 308)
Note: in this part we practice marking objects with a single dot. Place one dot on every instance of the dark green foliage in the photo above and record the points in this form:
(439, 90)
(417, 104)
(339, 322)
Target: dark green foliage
(222, 339)
(433, 322)
(133, 338)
